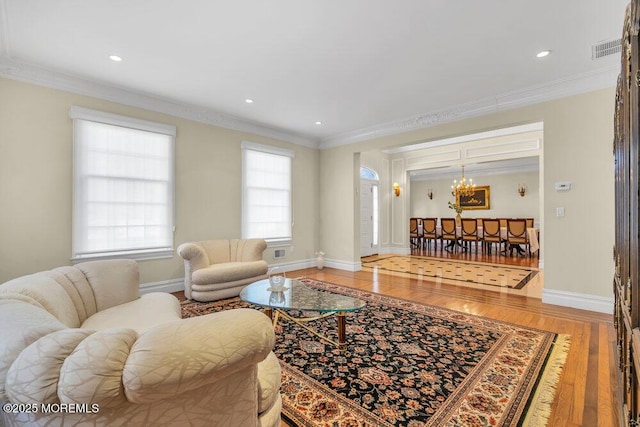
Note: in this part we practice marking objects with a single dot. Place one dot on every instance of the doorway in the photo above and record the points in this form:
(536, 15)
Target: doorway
(369, 208)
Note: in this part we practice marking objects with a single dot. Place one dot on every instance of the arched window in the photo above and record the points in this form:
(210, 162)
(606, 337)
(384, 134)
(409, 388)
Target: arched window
(366, 173)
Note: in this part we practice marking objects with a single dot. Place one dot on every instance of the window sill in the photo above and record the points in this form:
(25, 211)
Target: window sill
(136, 255)
(278, 243)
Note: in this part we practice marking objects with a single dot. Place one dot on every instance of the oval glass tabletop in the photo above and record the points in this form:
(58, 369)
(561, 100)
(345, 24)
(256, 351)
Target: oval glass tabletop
(297, 296)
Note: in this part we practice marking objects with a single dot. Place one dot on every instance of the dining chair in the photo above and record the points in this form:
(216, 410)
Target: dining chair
(470, 233)
(415, 235)
(449, 232)
(529, 222)
(517, 235)
(491, 233)
(430, 232)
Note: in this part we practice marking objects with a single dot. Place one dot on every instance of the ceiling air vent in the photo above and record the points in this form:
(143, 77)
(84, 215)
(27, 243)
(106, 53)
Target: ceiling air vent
(605, 48)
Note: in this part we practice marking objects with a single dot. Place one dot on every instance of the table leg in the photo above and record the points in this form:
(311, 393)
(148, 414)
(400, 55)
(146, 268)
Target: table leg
(342, 332)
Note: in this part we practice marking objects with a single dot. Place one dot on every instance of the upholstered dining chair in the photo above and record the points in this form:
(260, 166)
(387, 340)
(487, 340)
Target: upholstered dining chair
(491, 233)
(470, 233)
(517, 235)
(415, 234)
(429, 232)
(449, 232)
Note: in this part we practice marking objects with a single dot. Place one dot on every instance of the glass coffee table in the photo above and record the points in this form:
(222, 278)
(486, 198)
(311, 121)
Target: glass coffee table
(296, 296)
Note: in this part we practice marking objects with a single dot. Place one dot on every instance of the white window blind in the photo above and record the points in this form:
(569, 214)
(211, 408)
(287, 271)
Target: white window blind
(266, 201)
(123, 186)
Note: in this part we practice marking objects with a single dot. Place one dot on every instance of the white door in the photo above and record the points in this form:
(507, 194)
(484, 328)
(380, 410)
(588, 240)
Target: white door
(368, 217)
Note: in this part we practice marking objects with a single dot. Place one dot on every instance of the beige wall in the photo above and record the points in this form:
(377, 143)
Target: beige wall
(504, 202)
(36, 182)
(578, 133)
(35, 185)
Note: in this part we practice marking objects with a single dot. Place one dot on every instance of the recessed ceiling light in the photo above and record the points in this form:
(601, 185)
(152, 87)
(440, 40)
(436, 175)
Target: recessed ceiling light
(318, 122)
(249, 101)
(115, 58)
(543, 53)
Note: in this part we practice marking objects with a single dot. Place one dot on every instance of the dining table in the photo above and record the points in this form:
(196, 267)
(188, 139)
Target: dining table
(532, 235)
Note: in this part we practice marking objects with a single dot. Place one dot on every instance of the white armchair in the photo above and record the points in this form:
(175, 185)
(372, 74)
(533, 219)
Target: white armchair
(217, 269)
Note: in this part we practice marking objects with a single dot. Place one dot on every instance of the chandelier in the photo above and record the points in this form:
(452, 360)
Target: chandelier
(463, 188)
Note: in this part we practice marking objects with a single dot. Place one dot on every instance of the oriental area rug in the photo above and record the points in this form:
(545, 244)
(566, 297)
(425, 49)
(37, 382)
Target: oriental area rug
(409, 364)
(465, 271)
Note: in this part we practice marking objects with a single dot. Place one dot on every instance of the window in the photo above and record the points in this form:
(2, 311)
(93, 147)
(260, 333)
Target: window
(366, 173)
(266, 193)
(123, 191)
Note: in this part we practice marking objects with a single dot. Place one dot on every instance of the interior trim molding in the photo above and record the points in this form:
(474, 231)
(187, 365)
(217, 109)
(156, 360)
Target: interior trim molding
(561, 88)
(74, 84)
(343, 265)
(173, 285)
(575, 300)
(295, 265)
(28, 73)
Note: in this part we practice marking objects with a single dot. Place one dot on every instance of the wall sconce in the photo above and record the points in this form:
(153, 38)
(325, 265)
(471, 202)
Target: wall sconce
(396, 189)
(430, 193)
(522, 189)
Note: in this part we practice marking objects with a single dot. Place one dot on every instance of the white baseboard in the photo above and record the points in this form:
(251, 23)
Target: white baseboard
(295, 265)
(343, 265)
(581, 301)
(173, 285)
(394, 250)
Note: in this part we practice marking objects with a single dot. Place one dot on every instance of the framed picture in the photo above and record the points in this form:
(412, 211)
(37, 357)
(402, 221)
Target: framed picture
(479, 199)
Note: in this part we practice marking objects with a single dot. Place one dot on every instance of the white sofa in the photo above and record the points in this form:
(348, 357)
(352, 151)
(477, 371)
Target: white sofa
(79, 346)
(216, 269)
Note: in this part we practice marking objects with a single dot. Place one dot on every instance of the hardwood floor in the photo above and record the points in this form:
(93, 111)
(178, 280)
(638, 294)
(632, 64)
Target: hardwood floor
(496, 257)
(586, 395)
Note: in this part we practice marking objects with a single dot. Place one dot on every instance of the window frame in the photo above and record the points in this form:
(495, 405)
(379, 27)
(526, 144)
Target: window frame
(252, 146)
(86, 114)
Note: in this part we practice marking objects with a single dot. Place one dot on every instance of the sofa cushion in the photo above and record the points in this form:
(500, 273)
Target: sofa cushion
(33, 376)
(79, 281)
(139, 315)
(268, 382)
(229, 272)
(114, 282)
(93, 372)
(48, 293)
(24, 322)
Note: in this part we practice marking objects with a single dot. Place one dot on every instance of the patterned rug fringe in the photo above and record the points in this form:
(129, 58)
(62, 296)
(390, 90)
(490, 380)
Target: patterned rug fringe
(539, 410)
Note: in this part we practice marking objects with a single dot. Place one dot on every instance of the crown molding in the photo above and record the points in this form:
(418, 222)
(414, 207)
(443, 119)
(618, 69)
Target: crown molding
(62, 81)
(12, 69)
(582, 83)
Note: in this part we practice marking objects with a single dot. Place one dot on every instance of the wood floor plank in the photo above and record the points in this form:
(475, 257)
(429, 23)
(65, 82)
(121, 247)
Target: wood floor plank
(586, 393)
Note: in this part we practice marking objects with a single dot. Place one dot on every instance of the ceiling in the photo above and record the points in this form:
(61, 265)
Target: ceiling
(362, 67)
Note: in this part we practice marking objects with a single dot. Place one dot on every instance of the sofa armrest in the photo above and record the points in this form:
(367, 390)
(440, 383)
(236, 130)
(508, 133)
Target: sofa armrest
(195, 255)
(179, 356)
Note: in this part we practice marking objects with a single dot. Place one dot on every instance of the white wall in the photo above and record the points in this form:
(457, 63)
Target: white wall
(505, 201)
